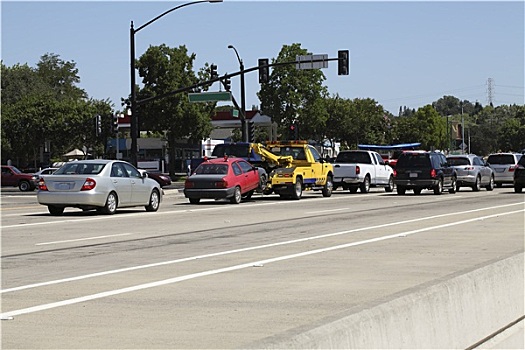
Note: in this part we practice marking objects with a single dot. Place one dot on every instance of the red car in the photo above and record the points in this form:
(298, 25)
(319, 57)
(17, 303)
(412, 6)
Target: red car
(223, 178)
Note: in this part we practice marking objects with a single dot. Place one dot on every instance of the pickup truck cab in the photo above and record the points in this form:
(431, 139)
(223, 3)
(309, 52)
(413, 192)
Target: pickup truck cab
(361, 169)
(12, 176)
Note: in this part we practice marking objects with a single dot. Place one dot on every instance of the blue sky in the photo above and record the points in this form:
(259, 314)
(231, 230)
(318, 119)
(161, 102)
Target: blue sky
(402, 53)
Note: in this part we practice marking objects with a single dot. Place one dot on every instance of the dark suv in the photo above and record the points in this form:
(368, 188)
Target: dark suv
(519, 175)
(419, 170)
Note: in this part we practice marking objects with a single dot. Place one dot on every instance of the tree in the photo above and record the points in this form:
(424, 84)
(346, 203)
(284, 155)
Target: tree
(60, 77)
(449, 105)
(425, 126)
(294, 96)
(164, 69)
(44, 106)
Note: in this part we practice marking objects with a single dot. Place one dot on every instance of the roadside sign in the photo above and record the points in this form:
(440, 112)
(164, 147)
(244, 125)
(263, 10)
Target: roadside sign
(210, 96)
(307, 61)
(235, 113)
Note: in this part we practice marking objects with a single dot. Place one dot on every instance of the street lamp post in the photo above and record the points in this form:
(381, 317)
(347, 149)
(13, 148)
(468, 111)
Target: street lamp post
(134, 117)
(243, 96)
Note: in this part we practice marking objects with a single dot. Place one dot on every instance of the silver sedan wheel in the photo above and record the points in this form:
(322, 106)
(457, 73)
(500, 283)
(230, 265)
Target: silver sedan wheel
(154, 201)
(111, 204)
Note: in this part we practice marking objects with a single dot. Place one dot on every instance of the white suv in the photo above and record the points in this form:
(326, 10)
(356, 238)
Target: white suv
(503, 165)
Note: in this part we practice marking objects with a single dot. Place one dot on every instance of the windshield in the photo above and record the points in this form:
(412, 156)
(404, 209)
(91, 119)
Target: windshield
(458, 161)
(353, 157)
(80, 168)
(501, 159)
(217, 169)
(241, 151)
(414, 160)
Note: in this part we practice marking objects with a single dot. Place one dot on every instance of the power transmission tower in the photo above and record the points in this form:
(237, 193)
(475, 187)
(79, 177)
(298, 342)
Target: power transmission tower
(490, 91)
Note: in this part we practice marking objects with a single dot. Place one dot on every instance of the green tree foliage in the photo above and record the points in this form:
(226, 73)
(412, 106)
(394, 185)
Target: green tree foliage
(164, 69)
(425, 126)
(43, 105)
(358, 121)
(294, 96)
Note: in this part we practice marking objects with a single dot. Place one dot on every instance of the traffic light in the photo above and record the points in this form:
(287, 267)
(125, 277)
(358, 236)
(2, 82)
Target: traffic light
(294, 131)
(227, 84)
(213, 71)
(343, 63)
(264, 70)
(114, 123)
(251, 131)
(98, 125)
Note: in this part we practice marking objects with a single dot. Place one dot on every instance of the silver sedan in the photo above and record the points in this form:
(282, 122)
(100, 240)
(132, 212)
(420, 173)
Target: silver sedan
(100, 184)
(471, 172)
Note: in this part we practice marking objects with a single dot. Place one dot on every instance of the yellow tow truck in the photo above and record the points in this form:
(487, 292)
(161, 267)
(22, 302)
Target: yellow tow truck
(295, 166)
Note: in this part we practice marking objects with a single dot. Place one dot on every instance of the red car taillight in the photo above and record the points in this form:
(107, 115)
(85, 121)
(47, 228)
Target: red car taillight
(42, 185)
(395, 173)
(511, 168)
(89, 184)
(357, 170)
(221, 184)
(189, 184)
(433, 173)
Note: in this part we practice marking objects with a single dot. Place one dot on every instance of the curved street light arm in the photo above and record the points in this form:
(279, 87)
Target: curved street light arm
(171, 10)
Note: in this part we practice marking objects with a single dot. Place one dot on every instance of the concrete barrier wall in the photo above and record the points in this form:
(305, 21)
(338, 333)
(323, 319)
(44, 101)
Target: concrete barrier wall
(454, 313)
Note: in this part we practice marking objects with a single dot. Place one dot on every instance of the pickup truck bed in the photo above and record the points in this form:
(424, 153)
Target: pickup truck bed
(360, 169)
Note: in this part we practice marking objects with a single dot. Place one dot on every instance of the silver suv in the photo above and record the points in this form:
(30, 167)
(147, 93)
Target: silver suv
(503, 165)
(472, 172)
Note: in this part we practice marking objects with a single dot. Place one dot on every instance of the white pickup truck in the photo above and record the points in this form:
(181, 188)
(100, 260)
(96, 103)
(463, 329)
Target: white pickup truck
(359, 169)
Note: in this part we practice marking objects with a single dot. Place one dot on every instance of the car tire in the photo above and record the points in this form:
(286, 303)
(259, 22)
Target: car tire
(248, 195)
(111, 204)
(518, 189)
(353, 189)
(154, 201)
(365, 185)
(328, 187)
(25, 186)
(237, 197)
(490, 186)
(457, 188)
(297, 192)
(438, 189)
(55, 210)
(499, 184)
(477, 185)
(390, 186)
(263, 180)
(452, 188)
(195, 200)
(417, 191)
(401, 190)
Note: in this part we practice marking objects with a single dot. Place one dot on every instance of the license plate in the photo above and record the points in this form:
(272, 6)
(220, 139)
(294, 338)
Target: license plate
(412, 175)
(63, 186)
(500, 170)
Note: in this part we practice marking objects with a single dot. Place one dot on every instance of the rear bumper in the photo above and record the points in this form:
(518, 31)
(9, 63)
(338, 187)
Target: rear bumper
(346, 180)
(210, 193)
(410, 184)
(466, 180)
(72, 199)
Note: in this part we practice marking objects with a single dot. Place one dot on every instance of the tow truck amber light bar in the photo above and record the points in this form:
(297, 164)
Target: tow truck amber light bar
(286, 142)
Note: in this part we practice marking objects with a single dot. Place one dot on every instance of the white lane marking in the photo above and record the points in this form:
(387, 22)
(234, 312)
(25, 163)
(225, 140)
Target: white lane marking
(189, 210)
(240, 250)
(84, 239)
(9, 314)
(326, 211)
